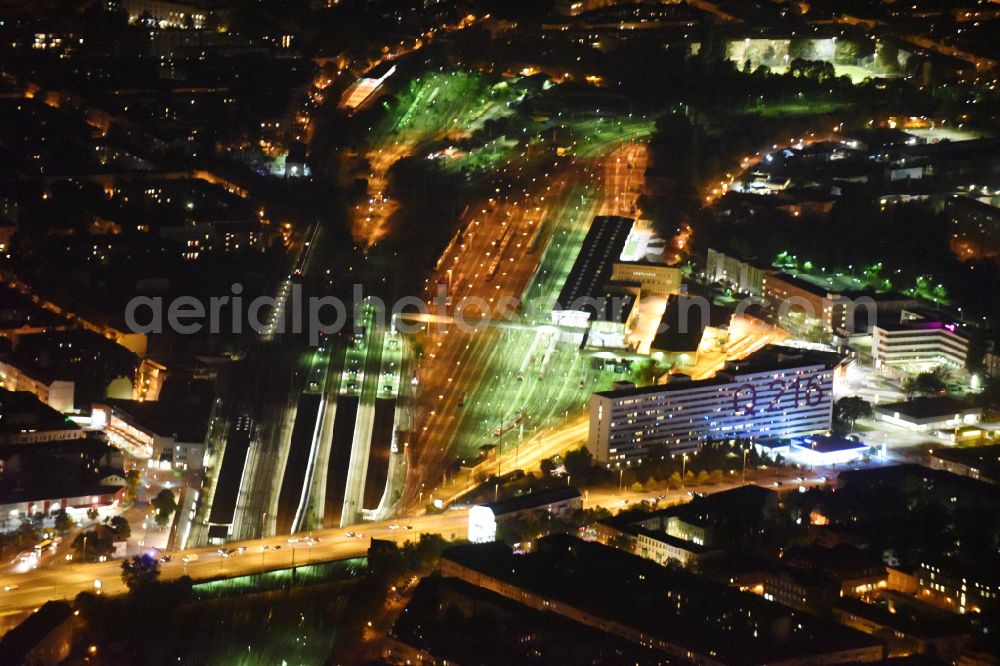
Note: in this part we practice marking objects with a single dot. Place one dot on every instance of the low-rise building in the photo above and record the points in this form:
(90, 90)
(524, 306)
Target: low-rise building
(689, 617)
(486, 520)
(980, 462)
(777, 392)
(167, 435)
(617, 263)
(923, 414)
(24, 419)
(820, 450)
(804, 304)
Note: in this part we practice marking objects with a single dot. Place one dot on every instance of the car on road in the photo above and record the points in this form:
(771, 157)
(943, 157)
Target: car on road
(350, 535)
(408, 527)
(394, 526)
(9, 588)
(166, 558)
(193, 557)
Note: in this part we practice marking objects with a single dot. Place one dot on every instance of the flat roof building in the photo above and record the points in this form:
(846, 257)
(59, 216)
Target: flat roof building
(778, 392)
(602, 291)
(740, 272)
(928, 413)
(917, 339)
(820, 450)
(486, 519)
(689, 617)
(24, 419)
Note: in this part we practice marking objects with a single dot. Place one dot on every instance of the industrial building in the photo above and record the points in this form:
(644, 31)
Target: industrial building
(616, 264)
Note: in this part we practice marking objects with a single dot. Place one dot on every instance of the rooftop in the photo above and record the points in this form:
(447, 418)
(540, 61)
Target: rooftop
(21, 411)
(770, 358)
(532, 500)
(829, 444)
(926, 408)
(681, 608)
(984, 459)
(185, 421)
(591, 272)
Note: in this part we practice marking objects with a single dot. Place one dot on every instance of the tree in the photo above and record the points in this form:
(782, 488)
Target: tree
(649, 371)
(26, 534)
(924, 384)
(165, 505)
(423, 554)
(132, 480)
(674, 480)
(578, 462)
(140, 572)
(887, 57)
(716, 477)
(63, 522)
(548, 465)
(91, 545)
(849, 409)
(120, 525)
(702, 478)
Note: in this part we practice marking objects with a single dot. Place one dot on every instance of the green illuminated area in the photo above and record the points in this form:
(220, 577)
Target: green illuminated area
(439, 103)
(354, 366)
(796, 108)
(392, 358)
(280, 579)
(317, 362)
(593, 137)
(857, 278)
(488, 157)
(566, 231)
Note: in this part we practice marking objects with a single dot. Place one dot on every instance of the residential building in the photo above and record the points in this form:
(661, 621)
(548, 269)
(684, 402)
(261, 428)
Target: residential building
(979, 462)
(24, 419)
(69, 369)
(177, 14)
(742, 273)
(959, 586)
(686, 616)
(804, 304)
(776, 392)
(56, 393)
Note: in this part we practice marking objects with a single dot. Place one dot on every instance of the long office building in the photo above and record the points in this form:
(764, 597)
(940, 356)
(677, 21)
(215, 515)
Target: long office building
(619, 261)
(919, 339)
(777, 392)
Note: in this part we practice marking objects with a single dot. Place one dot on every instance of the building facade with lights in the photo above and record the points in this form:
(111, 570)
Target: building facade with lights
(919, 340)
(777, 392)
